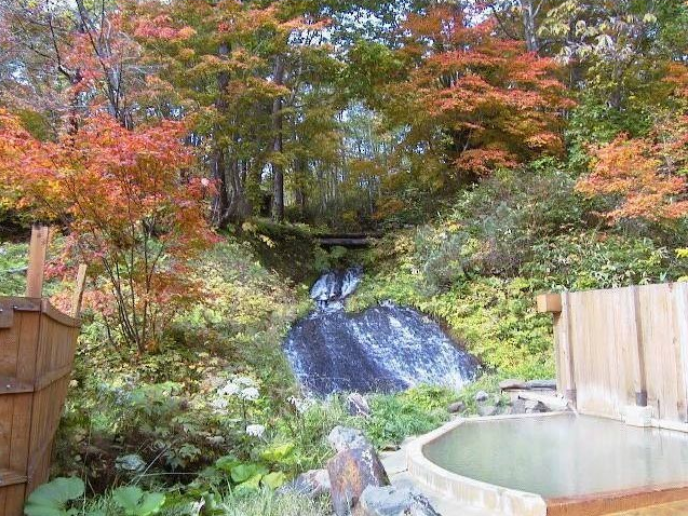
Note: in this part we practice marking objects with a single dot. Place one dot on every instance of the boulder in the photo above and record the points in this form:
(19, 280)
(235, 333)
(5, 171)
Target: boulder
(549, 402)
(518, 406)
(545, 385)
(357, 405)
(343, 438)
(457, 407)
(487, 411)
(393, 501)
(534, 406)
(312, 484)
(513, 385)
(482, 397)
(351, 472)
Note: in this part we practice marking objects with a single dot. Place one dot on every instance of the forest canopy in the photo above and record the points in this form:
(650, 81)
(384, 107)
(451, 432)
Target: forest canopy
(350, 113)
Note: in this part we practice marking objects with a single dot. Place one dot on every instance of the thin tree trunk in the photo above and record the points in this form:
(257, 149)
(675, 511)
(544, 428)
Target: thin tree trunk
(278, 145)
(530, 26)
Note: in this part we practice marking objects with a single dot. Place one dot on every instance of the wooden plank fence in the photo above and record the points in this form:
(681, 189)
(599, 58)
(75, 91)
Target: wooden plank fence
(623, 348)
(37, 347)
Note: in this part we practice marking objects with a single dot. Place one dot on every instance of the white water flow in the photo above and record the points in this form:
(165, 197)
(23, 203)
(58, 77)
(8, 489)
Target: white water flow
(386, 348)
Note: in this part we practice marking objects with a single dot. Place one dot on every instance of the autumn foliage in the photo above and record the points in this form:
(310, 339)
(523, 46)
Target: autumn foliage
(493, 103)
(644, 177)
(133, 206)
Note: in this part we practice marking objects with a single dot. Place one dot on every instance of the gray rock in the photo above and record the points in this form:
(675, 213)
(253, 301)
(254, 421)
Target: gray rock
(343, 438)
(513, 385)
(357, 405)
(393, 501)
(481, 397)
(487, 411)
(457, 407)
(549, 385)
(518, 406)
(534, 406)
(351, 472)
(130, 463)
(312, 484)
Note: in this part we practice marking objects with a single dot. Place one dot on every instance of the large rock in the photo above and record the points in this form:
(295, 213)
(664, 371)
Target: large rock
(351, 472)
(393, 501)
(357, 405)
(545, 385)
(481, 397)
(487, 411)
(312, 484)
(512, 385)
(342, 438)
(456, 407)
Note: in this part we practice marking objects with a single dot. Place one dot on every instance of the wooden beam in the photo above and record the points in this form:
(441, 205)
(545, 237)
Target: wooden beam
(549, 303)
(79, 291)
(40, 238)
(637, 353)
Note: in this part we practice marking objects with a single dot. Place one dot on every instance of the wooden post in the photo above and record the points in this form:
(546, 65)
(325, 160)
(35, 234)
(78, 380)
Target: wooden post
(79, 291)
(40, 238)
(558, 306)
(549, 303)
(638, 354)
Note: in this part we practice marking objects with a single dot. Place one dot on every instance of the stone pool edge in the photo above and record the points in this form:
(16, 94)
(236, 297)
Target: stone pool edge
(465, 490)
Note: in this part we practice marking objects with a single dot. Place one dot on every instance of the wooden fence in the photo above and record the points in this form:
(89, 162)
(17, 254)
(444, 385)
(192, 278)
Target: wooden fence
(623, 348)
(37, 346)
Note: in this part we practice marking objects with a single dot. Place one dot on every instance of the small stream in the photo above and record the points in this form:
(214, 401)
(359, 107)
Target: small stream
(383, 349)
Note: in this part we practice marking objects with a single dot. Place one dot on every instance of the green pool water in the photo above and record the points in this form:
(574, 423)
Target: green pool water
(563, 456)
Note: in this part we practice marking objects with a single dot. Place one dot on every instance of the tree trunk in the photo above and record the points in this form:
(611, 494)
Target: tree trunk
(530, 26)
(220, 212)
(278, 146)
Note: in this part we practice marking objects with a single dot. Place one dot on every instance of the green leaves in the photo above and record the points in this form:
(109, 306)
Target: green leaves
(251, 475)
(278, 453)
(136, 502)
(244, 472)
(52, 499)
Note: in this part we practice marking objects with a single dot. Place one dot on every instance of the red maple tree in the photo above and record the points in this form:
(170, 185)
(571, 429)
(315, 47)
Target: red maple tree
(133, 206)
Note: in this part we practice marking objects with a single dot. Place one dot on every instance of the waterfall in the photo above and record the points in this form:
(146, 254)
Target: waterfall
(384, 349)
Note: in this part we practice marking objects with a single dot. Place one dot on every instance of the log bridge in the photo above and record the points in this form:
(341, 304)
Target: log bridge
(348, 240)
(37, 348)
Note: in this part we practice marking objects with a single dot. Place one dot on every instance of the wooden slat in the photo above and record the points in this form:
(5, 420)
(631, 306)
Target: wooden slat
(48, 379)
(6, 317)
(14, 386)
(11, 478)
(566, 382)
(57, 316)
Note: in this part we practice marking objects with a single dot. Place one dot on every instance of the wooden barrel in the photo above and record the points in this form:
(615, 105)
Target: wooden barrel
(37, 347)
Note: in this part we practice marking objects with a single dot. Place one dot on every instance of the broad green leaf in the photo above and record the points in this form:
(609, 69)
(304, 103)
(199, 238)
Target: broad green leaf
(128, 498)
(151, 504)
(278, 453)
(244, 472)
(274, 480)
(252, 483)
(51, 499)
(136, 502)
(227, 463)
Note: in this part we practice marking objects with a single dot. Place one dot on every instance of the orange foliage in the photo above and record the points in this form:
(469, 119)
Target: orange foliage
(635, 172)
(646, 177)
(499, 104)
(134, 209)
